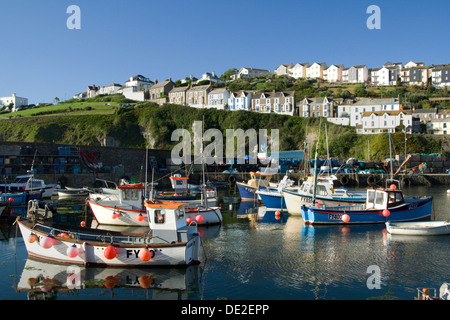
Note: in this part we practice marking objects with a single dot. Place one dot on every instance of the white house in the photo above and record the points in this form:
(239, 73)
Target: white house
(133, 93)
(315, 71)
(250, 73)
(140, 82)
(298, 70)
(439, 126)
(209, 77)
(333, 73)
(15, 100)
(110, 89)
(218, 98)
(283, 69)
(414, 64)
(240, 101)
(380, 76)
(355, 110)
(385, 121)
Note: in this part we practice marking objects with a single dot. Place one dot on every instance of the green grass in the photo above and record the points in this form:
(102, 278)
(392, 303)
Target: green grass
(68, 109)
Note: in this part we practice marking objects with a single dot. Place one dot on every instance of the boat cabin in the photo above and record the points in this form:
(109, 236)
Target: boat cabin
(132, 195)
(259, 179)
(179, 183)
(167, 220)
(383, 198)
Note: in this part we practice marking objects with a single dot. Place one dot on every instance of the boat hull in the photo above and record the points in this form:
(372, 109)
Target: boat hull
(273, 200)
(427, 228)
(294, 201)
(415, 210)
(103, 214)
(127, 254)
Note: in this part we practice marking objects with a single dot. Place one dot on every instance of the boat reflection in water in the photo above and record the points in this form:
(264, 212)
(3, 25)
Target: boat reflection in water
(44, 281)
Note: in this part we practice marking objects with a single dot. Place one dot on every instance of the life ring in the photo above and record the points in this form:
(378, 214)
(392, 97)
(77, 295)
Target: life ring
(372, 180)
(231, 179)
(343, 180)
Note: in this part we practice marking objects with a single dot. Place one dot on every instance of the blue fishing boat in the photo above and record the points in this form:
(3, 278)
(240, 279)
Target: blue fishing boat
(257, 181)
(20, 198)
(382, 205)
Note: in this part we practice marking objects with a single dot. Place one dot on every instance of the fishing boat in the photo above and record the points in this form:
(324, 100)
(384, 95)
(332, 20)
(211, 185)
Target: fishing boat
(129, 209)
(382, 205)
(20, 198)
(171, 243)
(419, 228)
(27, 183)
(257, 181)
(326, 194)
(273, 198)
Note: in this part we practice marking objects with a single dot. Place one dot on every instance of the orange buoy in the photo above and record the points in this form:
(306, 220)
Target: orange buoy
(345, 218)
(115, 215)
(199, 218)
(145, 254)
(386, 213)
(83, 224)
(393, 187)
(63, 235)
(110, 252)
(32, 238)
(140, 217)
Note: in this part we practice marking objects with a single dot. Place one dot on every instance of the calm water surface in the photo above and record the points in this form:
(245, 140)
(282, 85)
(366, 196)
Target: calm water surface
(251, 256)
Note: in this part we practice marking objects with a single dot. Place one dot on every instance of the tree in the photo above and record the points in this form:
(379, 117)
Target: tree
(227, 74)
(56, 100)
(360, 91)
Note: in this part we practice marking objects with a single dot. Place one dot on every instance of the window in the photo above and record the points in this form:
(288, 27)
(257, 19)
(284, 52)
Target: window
(160, 216)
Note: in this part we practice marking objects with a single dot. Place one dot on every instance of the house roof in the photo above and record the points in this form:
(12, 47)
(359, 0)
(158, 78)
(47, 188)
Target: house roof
(161, 84)
(368, 102)
(391, 113)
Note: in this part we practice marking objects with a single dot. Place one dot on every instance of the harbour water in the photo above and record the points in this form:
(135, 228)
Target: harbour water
(253, 255)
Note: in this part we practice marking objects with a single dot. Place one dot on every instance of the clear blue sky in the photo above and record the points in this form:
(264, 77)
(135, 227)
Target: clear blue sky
(40, 58)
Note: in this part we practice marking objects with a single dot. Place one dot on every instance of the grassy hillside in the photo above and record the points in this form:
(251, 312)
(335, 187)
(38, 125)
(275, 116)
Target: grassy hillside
(129, 126)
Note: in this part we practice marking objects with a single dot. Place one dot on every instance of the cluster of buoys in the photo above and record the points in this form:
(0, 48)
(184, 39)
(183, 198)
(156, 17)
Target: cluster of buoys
(198, 218)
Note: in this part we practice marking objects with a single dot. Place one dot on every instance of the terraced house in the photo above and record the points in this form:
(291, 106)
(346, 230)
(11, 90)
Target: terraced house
(276, 102)
(317, 107)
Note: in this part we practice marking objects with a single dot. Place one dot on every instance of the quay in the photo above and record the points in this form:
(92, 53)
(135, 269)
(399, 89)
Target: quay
(79, 166)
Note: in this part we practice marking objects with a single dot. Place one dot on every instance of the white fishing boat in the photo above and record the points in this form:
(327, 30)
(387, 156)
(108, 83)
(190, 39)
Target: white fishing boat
(419, 228)
(171, 243)
(27, 183)
(326, 194)
(129, 209)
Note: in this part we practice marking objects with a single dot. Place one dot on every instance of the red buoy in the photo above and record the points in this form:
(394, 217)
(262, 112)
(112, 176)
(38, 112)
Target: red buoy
(277, 213)
(110, 252)
(72, 251)
(46, 242)
(115, 215)
(199, 218)
(345, 218)
(145, 255)
(386, 213)
(83, 224)
(140, 217)
(188, 220)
